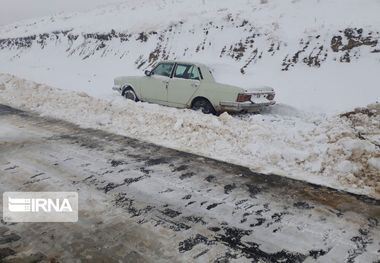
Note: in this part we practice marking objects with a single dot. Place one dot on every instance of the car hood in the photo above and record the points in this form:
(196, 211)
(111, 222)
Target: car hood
(128, 77)
(123, 79)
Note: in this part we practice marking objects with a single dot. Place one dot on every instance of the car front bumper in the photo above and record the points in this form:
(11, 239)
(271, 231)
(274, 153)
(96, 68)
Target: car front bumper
(117, 88)
(244, 106)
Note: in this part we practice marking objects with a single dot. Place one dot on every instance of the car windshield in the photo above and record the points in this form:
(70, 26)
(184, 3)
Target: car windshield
(163, 69)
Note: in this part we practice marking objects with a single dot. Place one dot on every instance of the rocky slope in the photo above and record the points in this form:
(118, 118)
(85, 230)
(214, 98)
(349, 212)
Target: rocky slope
(252, 45)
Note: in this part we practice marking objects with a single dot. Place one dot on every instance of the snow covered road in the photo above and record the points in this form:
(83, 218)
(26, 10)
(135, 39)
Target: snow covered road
(145, 203)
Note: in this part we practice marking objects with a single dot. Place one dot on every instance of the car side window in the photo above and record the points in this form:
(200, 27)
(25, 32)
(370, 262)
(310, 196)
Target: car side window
(163, 69)
(184, 71)
(195, 73)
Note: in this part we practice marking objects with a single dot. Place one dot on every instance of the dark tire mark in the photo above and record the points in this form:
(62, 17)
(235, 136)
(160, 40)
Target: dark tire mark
(203, 202)
(156, 161)
(181, 168)
(175, 226)
(260, 221)
(127, 181)
(190, 203)
(195, 219)
(190, 243)
(121, 200)
(214, 229)
(34, 176)
(186, 197)
(145, 171)
(253, 190)
(169, 190)
(6, 252)
(210, 179)
(201, 254)
(186, 175)
(318, 253)
(36, 181)
(361, 241)
(232, 239)
(245, 217)
(241, 201)
(9, 238)
(170, 213)
(11, 168)
(228, 188)
(303, 205)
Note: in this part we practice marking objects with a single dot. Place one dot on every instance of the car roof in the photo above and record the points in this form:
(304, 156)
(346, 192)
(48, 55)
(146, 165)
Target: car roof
(183, 62)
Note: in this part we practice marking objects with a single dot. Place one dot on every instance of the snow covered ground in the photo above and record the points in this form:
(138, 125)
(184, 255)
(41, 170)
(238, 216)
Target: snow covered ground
(315, 53)
(340, 152)
(321, 56)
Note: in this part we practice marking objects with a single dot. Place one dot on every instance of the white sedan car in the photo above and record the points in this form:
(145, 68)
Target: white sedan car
(191, 85)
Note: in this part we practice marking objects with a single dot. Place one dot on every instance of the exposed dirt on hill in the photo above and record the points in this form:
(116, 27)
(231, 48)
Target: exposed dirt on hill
(252, 45)
(349, 39)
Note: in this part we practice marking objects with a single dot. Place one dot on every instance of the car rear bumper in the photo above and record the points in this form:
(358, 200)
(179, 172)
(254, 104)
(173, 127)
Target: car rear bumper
(244, 106)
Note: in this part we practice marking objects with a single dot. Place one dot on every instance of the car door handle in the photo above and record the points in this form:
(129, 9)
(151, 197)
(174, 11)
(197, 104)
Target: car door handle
(195, 85)
(166, 82)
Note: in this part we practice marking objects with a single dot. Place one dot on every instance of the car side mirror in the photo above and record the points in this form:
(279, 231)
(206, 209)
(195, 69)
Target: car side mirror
(148, 73)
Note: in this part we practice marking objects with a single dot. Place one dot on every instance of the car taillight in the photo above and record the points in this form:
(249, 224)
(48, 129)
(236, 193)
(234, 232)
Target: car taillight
(243, 97)
(270, 96)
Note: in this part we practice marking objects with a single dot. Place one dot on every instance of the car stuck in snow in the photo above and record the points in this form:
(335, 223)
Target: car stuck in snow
(192, 85)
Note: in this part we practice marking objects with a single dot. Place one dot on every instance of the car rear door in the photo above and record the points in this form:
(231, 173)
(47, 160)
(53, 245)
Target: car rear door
(155, 87)
(184, 83)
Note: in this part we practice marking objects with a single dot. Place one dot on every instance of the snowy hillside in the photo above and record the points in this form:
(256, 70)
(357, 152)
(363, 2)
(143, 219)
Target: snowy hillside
(319, 55)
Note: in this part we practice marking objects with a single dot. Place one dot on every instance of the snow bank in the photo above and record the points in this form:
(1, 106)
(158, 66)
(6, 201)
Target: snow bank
(327, 150)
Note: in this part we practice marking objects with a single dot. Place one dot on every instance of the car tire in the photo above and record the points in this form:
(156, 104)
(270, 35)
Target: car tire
(130, 94)
(204, 105)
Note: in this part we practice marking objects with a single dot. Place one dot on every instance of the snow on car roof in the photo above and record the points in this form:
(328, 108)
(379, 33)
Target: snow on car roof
(184, 62)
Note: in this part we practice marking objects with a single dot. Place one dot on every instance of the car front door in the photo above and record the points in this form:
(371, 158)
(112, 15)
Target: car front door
(155, 87)
(183, 85)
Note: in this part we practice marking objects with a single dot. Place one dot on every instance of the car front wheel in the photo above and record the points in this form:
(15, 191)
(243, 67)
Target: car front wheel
(204, 105)
(130, 94)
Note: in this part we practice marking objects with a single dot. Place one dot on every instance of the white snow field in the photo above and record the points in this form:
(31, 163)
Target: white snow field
(321, 56)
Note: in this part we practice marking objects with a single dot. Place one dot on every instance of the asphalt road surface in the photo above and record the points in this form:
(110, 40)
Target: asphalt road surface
(143, 203)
